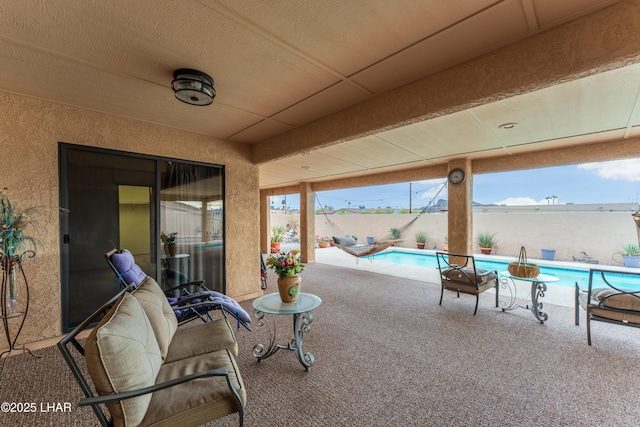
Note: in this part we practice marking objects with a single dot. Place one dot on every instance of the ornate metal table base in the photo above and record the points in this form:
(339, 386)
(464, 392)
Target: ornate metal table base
(300, 310)
(301, 324)
(538, 289)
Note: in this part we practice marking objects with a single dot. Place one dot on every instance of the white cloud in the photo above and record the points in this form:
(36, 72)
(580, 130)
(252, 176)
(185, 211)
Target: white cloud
(525, 201)
(517, 201)
(436, 181)
(433, 191)
(624, 170)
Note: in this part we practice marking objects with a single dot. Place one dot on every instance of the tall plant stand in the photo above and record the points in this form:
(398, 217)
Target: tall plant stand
(12, 275)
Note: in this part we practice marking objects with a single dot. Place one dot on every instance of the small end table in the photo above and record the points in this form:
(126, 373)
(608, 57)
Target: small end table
(302, 318)
(538, 289)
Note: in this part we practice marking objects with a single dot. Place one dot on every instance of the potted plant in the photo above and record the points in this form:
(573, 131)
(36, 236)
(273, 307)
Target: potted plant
(15, 245)
(421, 239)
(277, 234)
(287, 266)
(445, 247)
(169, 240)
(630, 255)
(395, 233)
(486, 242)
(322, 243)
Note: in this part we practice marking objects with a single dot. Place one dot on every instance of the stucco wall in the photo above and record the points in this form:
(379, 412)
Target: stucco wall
(599, 233)
(30, 130)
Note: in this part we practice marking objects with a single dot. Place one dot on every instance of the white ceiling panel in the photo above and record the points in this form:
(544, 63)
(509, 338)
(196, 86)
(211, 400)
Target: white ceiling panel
(552, 13)
(473, 37)
(261, 130)
(370, 153)
(347, 36)
(334, 98)
(451, 135)
(578, 107)
(281, 64)
(317, 162)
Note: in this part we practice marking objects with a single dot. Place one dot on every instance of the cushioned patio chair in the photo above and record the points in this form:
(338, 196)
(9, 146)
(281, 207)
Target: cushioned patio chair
(458, 273)
(611, 297)
(187, 305)
(149, 372)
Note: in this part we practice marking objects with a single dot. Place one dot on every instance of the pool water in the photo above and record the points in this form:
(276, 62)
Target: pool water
(207, 245)
(567, 276)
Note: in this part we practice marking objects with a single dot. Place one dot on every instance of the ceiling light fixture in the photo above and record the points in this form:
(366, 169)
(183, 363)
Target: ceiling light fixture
(193, 87)
(509, 125)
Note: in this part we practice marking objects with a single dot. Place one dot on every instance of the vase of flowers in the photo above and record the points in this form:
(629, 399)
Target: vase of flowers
(14, 246)
(169, 240)
(287, 266)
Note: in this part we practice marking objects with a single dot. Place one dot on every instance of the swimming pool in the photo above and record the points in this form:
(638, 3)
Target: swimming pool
(207, 245)
(567, 276)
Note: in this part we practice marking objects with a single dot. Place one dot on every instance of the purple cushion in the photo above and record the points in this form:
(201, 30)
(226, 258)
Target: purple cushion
(127, 268)
(231, 305)
(130, 272)
(228, 303)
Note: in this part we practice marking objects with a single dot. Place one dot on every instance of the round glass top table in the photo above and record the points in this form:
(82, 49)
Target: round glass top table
(302, 318)
(538, 289)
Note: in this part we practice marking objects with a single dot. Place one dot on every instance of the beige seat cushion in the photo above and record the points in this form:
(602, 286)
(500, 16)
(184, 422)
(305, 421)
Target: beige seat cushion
(122, 354)
(614, 299)
(628, 317)
(201, 338)
(465, 279)
(200, 400)
(157, 308)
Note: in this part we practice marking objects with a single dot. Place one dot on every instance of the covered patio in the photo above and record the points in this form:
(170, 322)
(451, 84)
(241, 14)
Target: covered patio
(388, 354)
(314, 98)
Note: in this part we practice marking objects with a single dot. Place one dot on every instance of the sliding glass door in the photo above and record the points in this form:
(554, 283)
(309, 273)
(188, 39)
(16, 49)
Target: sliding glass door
(192, 207)
(124, 201)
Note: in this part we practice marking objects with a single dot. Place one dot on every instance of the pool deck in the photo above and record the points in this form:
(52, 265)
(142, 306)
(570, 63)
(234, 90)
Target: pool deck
(556, 295)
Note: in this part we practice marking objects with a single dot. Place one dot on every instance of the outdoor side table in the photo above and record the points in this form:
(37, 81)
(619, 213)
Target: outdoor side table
(302, 318)
(538, 289)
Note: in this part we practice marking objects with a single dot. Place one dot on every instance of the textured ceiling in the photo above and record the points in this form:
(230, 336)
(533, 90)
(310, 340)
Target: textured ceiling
(282, 64)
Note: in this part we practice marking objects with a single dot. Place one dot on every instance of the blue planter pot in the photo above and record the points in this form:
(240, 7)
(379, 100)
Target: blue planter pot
(370, 240)
(631, 261)
(548, 254)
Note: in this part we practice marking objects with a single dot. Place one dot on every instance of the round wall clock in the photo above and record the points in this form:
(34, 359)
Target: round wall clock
(456, 176)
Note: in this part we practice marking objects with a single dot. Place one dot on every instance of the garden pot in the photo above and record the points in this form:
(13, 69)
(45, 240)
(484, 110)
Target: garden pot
(445, 247)
(485, 251)
(275, 247)
(420, 245)
(548, 254)
(289, 288)
(323, 245)
(370, 240)
(170, 249)
(631, 261)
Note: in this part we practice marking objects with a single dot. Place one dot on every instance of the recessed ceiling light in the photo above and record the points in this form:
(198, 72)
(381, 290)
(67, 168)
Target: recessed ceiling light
(509, 125)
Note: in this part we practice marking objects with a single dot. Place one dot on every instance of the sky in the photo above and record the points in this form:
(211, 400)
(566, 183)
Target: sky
(600, 182)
